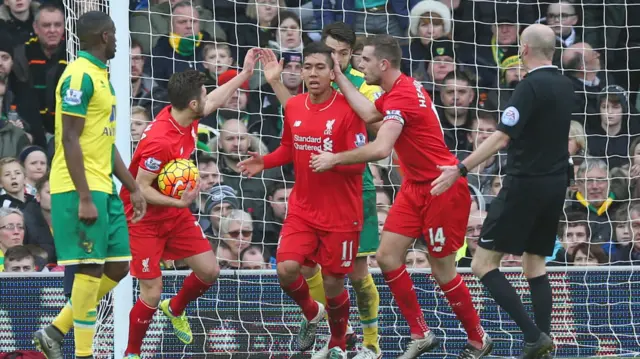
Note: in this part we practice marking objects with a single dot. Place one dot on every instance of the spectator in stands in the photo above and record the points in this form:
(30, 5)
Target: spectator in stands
(577, 144)
(11, 231)
(595, 197)
(506, 33)
(624, 248)
(226, 259)
(456, 113)
(381, 17)
(182, 49)
(13, 139)
(45, 55)
(37, 221)
(12, 183)
(268, 231)
(217, 59)
(585, 254)
(383, 212)
(17, 17)
(562, 16)
(430, 20)
(139, 121)
(376, 173)
(439, 63)
(611, 132)
(236, 230)
(221, 200)
(511, 72)
(255, 257)
(582, 64)
(289, 37)
(383, 200)
(34, 162)
(484, 123)
(145, 92)
(573, 230)
(233, 144)
(235, 107)
(209, 173)
(417, 256)
(254, 30)
(474, 226)
(19, 259)
(149, 27)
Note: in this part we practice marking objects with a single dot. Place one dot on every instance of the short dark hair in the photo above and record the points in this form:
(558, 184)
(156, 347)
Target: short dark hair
(318, 48)
(18, 253)
(574, 219)
(49, 7)
(180, 4)
(204, 158)
(460, 75)
(90, 27)
(185, 87)
(486, 115)
(385, 47)
(341, 32)
(42, 181)
(136, 44)
(266, 255)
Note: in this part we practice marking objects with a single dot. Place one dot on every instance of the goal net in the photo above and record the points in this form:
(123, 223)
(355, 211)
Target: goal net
(465, 54)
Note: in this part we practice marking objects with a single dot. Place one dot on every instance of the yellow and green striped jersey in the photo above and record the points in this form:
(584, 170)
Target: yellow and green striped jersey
(84, 91)
(372, 93)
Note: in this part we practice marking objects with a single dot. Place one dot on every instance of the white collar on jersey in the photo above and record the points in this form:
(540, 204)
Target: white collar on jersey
(543, 67)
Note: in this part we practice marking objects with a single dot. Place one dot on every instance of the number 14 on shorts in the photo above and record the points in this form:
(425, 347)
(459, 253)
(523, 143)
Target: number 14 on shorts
(436, 239)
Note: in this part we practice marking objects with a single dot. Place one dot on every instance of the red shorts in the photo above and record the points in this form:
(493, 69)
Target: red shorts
(441, 219)
(334, 251)
(173, 239)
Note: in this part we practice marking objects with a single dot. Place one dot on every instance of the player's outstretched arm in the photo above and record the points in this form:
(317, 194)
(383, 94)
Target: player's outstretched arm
(365, 109)
(380, 148)
(137, 199)
(72, 127)
(220, 95)
(151, 195)
(272, 71)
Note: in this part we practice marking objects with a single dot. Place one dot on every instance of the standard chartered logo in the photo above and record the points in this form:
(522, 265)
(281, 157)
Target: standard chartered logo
(307, 143)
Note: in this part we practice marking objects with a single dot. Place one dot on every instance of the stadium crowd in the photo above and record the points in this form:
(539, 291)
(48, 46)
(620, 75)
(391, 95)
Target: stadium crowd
(464, 53)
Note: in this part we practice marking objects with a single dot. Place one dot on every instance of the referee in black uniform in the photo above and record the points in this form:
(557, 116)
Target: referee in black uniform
(523, 218)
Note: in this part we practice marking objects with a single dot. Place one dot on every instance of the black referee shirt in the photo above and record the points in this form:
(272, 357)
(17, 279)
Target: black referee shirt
(537, 120)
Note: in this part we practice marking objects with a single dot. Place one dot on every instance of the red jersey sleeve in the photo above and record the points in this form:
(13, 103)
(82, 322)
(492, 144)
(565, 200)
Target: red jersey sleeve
(355, 136)
(284, 153)
(393, 108)
(154, 154)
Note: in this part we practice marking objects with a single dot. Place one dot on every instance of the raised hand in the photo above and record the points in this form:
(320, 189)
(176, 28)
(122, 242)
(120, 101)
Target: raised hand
(252, 165)
(336, 64)
(271, 66)
(251, 59)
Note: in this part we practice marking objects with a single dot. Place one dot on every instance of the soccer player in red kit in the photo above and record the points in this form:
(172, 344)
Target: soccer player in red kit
(411, 124)
(169, 230)
(325, 209)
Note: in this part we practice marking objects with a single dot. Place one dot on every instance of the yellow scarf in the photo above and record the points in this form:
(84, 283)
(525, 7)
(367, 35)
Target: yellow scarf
(496, 51)
(184, 46)
(603, 208)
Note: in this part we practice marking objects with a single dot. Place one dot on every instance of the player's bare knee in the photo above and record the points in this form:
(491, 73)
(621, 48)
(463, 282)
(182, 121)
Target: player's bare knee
(309, 272)
(333, 284)
(480, 266)
(533, 265)
(116, 271)
(208, 273)
(443, 269)
(92, 270)
(360, 269)
(387, 260)
(151, 291)
(288, 271)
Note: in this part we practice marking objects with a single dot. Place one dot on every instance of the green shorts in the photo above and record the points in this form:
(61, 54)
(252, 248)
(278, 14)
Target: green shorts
(106, 240)
(369, 237)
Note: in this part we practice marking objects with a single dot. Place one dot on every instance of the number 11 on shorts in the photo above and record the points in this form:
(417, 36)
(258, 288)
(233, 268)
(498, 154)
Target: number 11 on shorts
(347, 253)
(436, 239)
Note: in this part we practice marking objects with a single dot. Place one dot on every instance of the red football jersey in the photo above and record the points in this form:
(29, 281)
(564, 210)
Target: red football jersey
(162, 141)
(331, 200)
(420, 147)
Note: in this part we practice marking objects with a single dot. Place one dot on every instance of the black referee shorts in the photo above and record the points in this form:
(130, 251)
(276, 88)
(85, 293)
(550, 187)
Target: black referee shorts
(524, 216)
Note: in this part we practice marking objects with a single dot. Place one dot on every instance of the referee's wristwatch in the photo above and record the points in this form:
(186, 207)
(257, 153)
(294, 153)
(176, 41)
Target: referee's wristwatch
(463, 169)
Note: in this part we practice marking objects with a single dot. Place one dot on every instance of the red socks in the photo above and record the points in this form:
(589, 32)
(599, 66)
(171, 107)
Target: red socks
(140, 318)
(192, 289)
(299, 292)
(401, 287)
(459, 299)
(338, 310)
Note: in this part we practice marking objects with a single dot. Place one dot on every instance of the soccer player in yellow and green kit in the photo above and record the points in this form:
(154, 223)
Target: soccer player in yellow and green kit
(341, 38)
(89, 224)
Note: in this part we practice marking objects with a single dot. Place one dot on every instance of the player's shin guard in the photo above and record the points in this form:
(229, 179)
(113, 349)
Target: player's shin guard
(83, 298)
(401, 287)
(140, 318)
(459, 299)
(368, 300)
(192, 288)
(338, 310)
(299, 292)
(316, 287)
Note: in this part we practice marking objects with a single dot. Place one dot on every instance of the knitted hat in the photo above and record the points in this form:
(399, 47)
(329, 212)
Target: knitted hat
(221, 194)
(442, 47)
(617, 92)
(228, 76)
(509, 62)
(426, 6)
(291, 57)
(29, 150)
(6, 43)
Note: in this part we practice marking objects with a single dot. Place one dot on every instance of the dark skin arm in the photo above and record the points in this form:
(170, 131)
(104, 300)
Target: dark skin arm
(137, 199)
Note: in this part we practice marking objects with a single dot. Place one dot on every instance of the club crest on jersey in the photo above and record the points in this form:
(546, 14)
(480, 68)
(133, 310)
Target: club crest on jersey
(510, 116)
(73, 97)
(361, 140)
(327, 131)
(152, 164)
